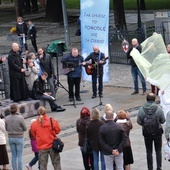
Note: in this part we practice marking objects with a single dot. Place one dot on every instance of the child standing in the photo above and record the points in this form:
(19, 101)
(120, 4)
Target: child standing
(34, 149)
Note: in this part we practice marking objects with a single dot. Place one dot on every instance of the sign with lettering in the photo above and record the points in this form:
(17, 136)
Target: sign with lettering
(94, 30)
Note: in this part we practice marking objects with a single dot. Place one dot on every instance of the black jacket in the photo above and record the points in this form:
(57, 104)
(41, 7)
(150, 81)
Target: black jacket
(21, 29)
(95, 58)
(38, 88)
(15, 64)
(47, 65)
(112, 136)
(132, 62)
(32, 32)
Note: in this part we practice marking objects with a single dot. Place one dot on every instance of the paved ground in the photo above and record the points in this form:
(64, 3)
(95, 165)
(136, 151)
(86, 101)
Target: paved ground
(116, 92)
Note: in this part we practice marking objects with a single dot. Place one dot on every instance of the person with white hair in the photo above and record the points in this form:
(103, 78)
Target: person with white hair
(98, 60)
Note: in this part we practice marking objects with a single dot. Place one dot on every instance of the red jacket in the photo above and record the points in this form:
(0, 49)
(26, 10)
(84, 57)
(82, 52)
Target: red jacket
(43, 132)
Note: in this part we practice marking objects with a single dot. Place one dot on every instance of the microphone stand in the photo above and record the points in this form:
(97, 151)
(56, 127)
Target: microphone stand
(100, 101)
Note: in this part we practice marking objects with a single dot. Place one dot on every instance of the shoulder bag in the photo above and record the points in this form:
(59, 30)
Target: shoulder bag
(57, 145)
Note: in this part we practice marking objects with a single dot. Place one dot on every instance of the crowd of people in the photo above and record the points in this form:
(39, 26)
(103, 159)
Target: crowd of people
(108, 135)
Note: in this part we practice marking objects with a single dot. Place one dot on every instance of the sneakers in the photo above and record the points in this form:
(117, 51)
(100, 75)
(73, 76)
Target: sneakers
(28, 167)
(135, 92)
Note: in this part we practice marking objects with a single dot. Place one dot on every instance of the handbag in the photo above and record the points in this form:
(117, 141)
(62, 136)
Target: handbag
(57, 144)
(86, 148)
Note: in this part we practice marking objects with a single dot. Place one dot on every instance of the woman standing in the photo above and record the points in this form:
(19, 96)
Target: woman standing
(15, 126)
(123, 119)
(81, 124)
(3, 151)
(92, 133)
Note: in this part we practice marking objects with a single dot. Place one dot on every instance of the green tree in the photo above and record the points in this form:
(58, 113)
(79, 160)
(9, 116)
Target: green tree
(142, 5)
(54, 11)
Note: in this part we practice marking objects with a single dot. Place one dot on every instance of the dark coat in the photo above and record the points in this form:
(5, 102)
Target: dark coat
(75, 60)
(111, 136)
(92, 133)
(95, 58)
(32, 32)
(18, 85)
(132, 62)
(38, 88)
(47, 64)
(21, 29)
(81, 129)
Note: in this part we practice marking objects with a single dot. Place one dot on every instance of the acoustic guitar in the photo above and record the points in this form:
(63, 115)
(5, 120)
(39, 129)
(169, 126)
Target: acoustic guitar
(90, 68)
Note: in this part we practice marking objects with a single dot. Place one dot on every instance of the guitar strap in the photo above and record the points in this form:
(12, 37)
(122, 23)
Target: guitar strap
(99, 56)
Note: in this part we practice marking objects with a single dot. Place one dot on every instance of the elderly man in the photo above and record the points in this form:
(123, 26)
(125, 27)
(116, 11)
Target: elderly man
(18, 86)
(73, 62)
(135, 70)
(112, 139)
(98, 59)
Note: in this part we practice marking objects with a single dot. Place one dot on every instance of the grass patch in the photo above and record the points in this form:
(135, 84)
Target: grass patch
(129, 4)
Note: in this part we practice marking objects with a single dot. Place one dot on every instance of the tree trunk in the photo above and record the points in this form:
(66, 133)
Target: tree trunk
(119, 14)
(19, 7)
(142, 5)
(54, 11)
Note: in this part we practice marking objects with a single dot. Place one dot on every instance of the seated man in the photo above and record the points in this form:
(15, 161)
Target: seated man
(38, 93)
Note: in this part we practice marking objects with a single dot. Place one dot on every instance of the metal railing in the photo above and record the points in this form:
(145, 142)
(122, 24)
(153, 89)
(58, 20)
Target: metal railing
(116, 37)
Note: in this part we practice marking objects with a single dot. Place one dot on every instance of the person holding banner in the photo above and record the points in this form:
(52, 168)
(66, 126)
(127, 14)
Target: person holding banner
(21, 30)
(98, 60)
(135, 70)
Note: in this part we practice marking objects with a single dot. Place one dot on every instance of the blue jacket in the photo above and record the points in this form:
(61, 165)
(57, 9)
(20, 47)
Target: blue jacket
(76, 64)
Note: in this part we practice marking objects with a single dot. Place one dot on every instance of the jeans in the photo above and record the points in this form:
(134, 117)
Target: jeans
(43, 158)
(34, 160)
(158, 149)
(94, 84)
(109, 159)
(22, 45)
(135, 73)
(74, 81)
(16, 146)
(96, 160)
(52, 103)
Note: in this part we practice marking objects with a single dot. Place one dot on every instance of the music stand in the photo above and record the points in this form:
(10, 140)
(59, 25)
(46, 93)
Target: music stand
(71, 65)
(58, 84)
(100, 98)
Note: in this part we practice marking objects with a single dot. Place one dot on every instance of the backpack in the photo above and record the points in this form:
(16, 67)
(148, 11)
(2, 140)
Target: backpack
(150, 123)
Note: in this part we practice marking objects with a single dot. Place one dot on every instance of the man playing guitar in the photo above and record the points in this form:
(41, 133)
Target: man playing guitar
(98, 60)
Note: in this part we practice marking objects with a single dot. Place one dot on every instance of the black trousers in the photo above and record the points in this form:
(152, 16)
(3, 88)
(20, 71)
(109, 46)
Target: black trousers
(94, 84)
(74, 81)
(34, 44)
(157, 140)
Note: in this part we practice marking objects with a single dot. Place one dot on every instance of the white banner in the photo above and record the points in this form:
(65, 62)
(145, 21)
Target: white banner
(94, 30)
